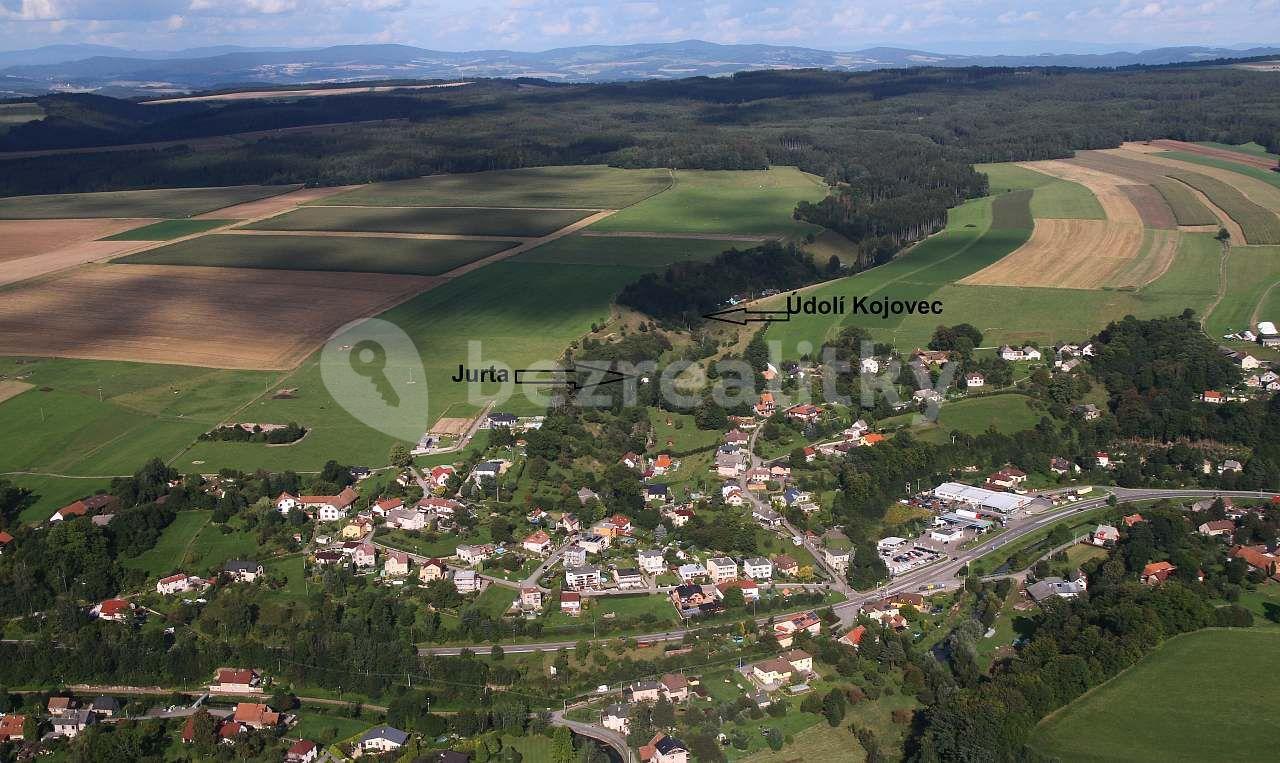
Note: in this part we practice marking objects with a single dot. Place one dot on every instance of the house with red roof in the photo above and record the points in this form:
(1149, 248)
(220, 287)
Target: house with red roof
(571, 603)
(439, 475)
(5, 540)
(116, 610)
(70, 511)
(854, 637)
(236, 681)
(11, 727)
(1213, 396)
(396, 564)
(256, 715)
(1156, 573)
(180, 582)
(1132, 519)
(302, 751)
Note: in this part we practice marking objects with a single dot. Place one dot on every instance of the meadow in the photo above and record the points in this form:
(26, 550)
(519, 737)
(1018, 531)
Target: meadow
(1053, 197)
(729, 202)
(1005, 413)
(369, 254)
(167, 230)
(170, 551)
(166, 202)
(1266, 176)
(52, 493)
(1251, 271)
(1199, 696)
(458, 221)
(620, 250)
(579, 187)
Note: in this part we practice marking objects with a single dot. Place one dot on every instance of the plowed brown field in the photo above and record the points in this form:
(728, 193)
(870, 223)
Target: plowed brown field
(1066, 254)
(216, 317)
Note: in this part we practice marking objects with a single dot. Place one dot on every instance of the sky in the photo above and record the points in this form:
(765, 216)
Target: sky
(997, 26)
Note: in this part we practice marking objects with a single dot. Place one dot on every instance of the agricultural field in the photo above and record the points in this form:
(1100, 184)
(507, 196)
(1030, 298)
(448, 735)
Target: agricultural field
(31, 248)
(723, 202)
(167, 230)
(368, 254)
(162, 203)
(588, 187)
(1054, 197)
(52, 493)
(457, 221)
(217, 317)
(1186, 701)
(13, 114)
(1251, 272)
(646, 252)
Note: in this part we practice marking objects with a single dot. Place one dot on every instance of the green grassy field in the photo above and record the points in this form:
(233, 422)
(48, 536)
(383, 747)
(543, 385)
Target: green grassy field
(454, 221)
(166, 202)
(1251, 271)
(1053, 197)
(830, 244)
(634, 252)
(1005, 413)
(52, 493)
(1076, 524)
(169, 553)
(587, 187)
(1187, 208)
(167, 230)
(1200, 696)
(682, 433)
(212, 547)
(1266, 176)
(1252, 149)
(1260, 225)
(12, 114)
(745, 202)
(327, 728)
(107, 418)
(371, 254)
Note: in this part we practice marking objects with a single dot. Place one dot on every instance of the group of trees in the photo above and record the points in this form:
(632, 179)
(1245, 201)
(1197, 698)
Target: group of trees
(288, 433)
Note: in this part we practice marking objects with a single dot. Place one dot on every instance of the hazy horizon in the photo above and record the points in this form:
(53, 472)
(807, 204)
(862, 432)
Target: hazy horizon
(998, 26)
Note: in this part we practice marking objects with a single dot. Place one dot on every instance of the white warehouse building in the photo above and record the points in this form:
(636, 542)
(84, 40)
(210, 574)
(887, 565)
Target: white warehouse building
(1005, 503)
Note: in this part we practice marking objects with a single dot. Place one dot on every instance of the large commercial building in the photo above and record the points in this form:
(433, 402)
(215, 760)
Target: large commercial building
(1004, 503)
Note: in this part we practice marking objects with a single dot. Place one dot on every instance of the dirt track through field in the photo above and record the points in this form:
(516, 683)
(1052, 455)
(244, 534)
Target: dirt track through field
(274, 205)
(217, 317)
(1066, 254)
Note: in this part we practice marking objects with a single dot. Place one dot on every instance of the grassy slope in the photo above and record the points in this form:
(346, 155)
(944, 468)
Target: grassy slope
(1251, 270)
(1192, 699)
(52, 493)
(333, 253)
(167, 556)
(167, 202)
(465, 222)
(1053, 198)
(592, 186)
(1005, 413)
(751, 202)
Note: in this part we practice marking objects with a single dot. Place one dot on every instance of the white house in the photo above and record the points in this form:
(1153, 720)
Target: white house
(628, 578)
(467, 581)
(365, 555)
(691, 572)
(757, 568)
(242, 571)
(574, 556)
(179, 583)
(974, 380)
(537, 542)
(722, 568)
(474, 554)
(651, 562)
(396, 564)
(382, 739)
(586, 576)
(617, 717)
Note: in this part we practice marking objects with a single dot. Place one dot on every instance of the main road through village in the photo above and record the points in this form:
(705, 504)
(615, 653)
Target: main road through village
(940, 575)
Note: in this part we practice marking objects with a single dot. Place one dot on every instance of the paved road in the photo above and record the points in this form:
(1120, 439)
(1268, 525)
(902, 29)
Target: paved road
(612, 738)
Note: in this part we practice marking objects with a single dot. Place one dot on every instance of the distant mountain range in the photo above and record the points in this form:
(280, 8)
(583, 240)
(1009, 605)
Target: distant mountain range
(114, 71)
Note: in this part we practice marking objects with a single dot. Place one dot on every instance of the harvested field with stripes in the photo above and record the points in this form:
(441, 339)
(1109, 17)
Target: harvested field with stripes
(1066, 254)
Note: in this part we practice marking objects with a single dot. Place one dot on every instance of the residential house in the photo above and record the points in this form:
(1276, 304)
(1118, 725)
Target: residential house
(690, 572)
(586, 495)
(1157, 572)
(618, 525)
(854, 637)
(11, 726)
(467, 581)
(779, 472)
(287, 502)
(579, 578)
(1062, 466)
(679, 517)
(642, 691)
(722, 568)
(1008, 478)
(116, 610)
(256, 715)
(537, 542)
(57, 705)
(806, 413)
(692, 600)
(366, 555)
(1104, 534)
(931, 357)
(766, 407)
(1088, 411)
(784, 631)
(772, 674)
(474, 554)
(651, 562)
(69, 723)
(432, 569)
(70, 511)
(801, 661)
(750, 589)
(1230, 465)
(329, 508)
(498, 419)
(757, 568)
(328, 557)
(1213, 396)
(663, 464)
(766, 517)
(733, 496)
(407, 519)
(656, 492)
(617, 717)
(973, 380)
(1217, 527)
(927, 396)
(571, 603)
(737, 437)
(628, 578)
(595, 544)
(675, 687)
(785, 565)
(729, 465)
(242, 571)
(574, 556)
(487, 470)
(1132, 519)
(569, 523)
(179, 583)
(632, 460)
(439, 476)
(1258, 558)
(1043, 590)
(530, 599)
(302, 751)
(1102, 459)
(383, 506)
(236, 681)
(382, 739)
(396, 564)
(664, 749)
